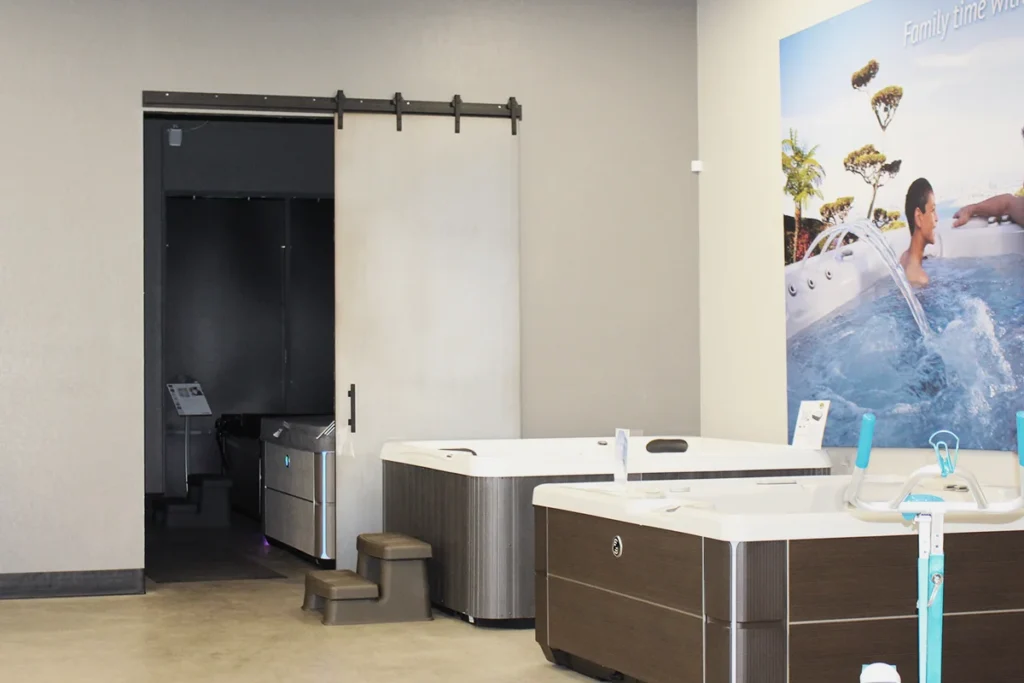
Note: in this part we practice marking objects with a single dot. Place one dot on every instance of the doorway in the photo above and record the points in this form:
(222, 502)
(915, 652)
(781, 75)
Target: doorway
(239, 306)
(426, 284)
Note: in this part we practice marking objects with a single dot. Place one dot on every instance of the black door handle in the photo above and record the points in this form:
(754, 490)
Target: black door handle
(352, 408)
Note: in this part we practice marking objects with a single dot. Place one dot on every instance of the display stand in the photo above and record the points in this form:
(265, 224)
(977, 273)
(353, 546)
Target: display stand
(189, 401)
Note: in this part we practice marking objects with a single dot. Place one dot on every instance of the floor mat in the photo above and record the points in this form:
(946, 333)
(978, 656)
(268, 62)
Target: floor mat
(184, 557)
(168, 569)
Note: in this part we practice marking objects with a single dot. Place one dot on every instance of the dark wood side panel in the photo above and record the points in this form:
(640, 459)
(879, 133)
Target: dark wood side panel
(716, 652)
(984, 571)
(976, 648)
(760, 580)
(540, 539)
(717, 565)
(656, 565)
(877, 576)
(760, 653)
(836, 651)
(540, 583)
(844, 578)
(636, 638)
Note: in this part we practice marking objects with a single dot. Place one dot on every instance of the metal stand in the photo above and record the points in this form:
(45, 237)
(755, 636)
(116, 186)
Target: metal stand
(929, 514)
(930, 577)
(188, 444)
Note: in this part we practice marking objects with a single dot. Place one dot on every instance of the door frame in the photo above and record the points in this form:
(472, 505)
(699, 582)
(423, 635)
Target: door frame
(244, 107)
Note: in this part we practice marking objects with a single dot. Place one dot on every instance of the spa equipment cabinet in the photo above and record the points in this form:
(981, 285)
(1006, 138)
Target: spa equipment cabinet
(299, 485)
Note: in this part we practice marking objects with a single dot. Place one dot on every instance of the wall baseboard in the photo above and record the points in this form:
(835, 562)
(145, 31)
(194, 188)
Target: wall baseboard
(72, 584)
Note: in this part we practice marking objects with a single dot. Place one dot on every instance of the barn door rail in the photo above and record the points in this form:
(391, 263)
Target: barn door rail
(338, 105)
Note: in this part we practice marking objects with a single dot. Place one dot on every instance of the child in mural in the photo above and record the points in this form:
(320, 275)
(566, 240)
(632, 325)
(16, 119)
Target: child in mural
(921, 218)
(993, 207)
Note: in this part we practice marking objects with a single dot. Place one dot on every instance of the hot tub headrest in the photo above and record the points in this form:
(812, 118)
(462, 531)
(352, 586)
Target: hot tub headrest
(460, 450)
(667, 446)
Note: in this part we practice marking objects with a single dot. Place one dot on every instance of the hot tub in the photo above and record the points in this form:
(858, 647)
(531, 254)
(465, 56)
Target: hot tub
(767, 580)
(471, 500)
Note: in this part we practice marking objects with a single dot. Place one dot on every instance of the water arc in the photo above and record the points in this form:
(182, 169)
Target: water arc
(871, 235)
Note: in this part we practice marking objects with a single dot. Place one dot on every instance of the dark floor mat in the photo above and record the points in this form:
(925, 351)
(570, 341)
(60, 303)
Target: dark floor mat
(180, 563)
(165, 568)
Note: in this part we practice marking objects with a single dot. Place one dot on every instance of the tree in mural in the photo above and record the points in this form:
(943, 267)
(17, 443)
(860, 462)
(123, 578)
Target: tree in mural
(887, 220)
(835, 213)
(804, 175)
(885, 102)
(867, 162)
(862, 77)
(874, 168)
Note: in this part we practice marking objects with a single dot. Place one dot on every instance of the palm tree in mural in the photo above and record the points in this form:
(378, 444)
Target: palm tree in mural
(804, 175)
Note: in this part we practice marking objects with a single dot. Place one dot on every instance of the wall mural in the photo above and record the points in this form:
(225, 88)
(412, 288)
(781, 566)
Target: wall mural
(902, 187)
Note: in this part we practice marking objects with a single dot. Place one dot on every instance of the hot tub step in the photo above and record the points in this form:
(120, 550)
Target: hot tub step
(389, 585)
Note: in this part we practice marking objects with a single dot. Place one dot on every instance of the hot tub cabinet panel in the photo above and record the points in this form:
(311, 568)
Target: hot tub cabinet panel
(658, 606)
(472, 501)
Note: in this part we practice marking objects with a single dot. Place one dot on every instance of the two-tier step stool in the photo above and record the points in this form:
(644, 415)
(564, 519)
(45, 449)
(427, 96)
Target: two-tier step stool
(388, 586)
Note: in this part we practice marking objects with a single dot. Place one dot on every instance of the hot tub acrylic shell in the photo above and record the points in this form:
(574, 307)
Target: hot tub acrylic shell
(764, 580)
(471, 500)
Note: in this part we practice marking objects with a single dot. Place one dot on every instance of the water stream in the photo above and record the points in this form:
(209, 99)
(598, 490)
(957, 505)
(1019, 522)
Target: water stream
(868, 233)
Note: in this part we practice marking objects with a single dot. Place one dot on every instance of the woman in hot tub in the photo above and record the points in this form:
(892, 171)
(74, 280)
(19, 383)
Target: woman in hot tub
(921, 219)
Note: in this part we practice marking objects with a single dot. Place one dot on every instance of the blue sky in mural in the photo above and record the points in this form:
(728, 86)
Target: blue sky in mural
(960, 120)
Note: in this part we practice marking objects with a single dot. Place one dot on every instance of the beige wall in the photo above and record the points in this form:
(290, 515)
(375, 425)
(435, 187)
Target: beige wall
(742, 304)
(609, 238)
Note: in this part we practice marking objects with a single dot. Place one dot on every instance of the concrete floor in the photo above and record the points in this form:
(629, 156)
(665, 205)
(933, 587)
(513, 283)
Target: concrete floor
(249, 632)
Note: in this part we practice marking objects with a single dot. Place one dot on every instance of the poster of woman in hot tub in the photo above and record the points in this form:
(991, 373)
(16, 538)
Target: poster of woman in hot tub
(904, 114)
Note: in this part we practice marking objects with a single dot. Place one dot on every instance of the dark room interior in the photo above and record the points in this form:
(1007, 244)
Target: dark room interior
(239, 298)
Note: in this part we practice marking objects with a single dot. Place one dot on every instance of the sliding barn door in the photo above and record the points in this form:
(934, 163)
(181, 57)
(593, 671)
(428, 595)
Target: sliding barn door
(427, 294)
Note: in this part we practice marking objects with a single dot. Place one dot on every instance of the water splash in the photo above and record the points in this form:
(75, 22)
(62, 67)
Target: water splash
(973, 355)
(968, 377)
(869, 234)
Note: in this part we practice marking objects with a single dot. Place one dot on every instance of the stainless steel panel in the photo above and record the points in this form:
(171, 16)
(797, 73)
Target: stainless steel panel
(481, 530)
(299, 473)
(761, 572)
(325, 486)
(301, 524)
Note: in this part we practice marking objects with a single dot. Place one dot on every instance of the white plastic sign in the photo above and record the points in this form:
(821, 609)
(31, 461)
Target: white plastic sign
(810, 424)
(621, 456)
(189, 399)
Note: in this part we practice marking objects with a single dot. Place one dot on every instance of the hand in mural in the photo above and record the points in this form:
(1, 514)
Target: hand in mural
(1011, 205)
(993, 207)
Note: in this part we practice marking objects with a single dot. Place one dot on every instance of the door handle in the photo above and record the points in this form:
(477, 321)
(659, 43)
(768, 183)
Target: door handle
(352, 408)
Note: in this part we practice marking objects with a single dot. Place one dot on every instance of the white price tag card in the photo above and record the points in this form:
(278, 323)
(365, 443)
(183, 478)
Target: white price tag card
(189, 399)
(810, 424)
(621, 456)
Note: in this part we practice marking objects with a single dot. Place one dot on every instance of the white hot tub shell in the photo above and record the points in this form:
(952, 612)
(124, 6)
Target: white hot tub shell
(472, 500)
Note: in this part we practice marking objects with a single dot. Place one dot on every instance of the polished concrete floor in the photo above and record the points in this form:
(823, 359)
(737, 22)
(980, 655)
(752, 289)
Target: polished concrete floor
(248, 631)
